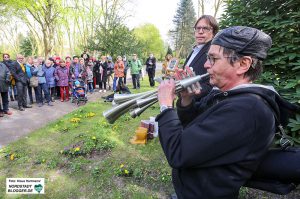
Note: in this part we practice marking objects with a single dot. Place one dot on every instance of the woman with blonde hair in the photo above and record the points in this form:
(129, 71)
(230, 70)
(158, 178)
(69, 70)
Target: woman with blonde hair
(119, 72)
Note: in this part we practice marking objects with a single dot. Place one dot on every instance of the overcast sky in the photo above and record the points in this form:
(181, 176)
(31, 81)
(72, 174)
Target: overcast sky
(158, 12)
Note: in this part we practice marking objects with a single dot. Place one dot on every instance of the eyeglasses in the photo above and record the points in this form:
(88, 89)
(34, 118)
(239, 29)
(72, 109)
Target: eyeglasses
(204, 29)
(212, 60)
(6, 57)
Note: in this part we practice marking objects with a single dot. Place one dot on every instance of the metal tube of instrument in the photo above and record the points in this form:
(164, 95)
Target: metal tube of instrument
(113, 114)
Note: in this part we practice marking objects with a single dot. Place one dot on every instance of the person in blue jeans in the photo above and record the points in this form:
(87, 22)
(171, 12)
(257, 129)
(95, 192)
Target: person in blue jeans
(29, 68)
(50, 78)
(42, 87)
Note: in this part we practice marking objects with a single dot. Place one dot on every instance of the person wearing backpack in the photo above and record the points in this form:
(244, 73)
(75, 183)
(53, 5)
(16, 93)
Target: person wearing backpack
(215, 143)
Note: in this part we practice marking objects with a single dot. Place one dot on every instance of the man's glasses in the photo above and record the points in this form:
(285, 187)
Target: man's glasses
(204, 29)
(212, 60)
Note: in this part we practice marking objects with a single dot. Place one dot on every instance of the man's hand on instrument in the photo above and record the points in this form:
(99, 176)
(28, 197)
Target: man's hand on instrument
(166, 92)
(188, 93)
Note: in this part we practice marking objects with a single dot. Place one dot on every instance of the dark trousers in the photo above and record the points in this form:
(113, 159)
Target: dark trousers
(22, 94)
(102, 85)
(52, 92)
(42, 88)
(136, 80)
(4, 96)
(57, 88)
(125, 76)
(151, 75)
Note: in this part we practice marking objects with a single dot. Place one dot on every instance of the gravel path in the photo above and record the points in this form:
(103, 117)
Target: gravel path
(21, 123)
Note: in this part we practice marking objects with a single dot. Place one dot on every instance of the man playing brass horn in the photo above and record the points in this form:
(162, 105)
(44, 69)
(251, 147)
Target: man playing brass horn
(215, 143)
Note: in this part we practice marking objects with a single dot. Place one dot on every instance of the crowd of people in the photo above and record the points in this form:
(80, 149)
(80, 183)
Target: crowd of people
(43, 81)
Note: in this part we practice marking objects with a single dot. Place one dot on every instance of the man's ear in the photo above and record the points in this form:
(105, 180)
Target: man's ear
(245, 64)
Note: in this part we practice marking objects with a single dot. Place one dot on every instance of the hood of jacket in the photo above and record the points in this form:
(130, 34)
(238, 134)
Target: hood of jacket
(281, 107)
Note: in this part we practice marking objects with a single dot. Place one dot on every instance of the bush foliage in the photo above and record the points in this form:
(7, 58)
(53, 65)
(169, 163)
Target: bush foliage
(281, 20)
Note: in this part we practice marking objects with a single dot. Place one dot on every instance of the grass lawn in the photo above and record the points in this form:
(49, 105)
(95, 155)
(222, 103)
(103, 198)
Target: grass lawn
(82, 156)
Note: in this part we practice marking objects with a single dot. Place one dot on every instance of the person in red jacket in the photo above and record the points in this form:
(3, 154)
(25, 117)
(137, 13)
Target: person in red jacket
(119, 72)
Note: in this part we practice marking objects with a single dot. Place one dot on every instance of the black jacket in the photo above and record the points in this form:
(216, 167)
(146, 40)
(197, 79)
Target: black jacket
(100, 77)
(18, 74)
(216, 144)
(198, 66)
(150, 64)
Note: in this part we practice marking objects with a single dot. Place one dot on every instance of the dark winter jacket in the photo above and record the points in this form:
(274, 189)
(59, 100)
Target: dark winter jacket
(198, 66)
(18, 74)
(4, 78)
(215, 144)
(50, 76)
(8, 63)
(62, 76)
(72, 71)
(100, 71)
(150, 64)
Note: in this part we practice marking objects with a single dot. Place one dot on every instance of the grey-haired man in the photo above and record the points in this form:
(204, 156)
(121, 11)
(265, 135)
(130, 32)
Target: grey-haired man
(214, 144)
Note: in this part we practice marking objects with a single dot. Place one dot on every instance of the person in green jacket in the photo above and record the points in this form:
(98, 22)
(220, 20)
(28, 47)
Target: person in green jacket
(135, 67)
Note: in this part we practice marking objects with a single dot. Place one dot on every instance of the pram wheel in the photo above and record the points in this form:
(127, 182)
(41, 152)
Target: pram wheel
(81, 102)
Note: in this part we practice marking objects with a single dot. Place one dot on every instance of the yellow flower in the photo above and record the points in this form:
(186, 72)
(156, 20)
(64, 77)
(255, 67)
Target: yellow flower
(12, 156)
(122, 165)
(75, 120)
(90, 114)
(77, 149)
(126, 171)
(94, 137)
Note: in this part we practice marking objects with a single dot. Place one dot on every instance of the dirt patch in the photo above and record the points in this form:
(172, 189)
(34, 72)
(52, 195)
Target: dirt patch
(118, 181)
(98, 155)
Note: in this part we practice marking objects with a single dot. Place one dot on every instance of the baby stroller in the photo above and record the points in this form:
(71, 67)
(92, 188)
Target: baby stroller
(78, 95)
